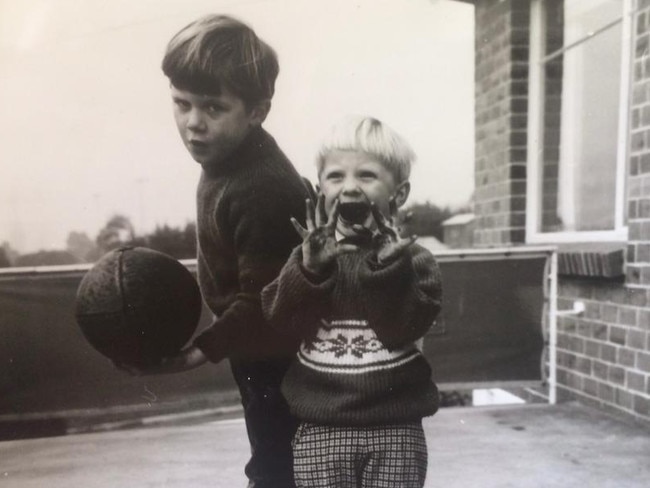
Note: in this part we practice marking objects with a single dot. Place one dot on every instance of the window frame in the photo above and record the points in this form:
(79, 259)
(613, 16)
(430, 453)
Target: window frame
(537, 58)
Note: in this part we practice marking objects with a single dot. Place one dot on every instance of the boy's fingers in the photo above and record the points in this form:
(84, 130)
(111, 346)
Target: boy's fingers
(345, 248)
(377, 215)
(392, 209)
(309, 215)
(321, 215)
(334, 215)
(383, 227)
(409, 241)
(302, 232)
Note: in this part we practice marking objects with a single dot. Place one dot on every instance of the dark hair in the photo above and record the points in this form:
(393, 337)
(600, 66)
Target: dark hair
(216, 52)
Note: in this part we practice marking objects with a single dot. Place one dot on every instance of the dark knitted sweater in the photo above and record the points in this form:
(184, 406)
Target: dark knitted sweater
(358, 362)
(244, 205)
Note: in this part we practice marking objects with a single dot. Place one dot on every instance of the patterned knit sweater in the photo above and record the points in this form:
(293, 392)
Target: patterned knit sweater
(244, 234)
(358, 363)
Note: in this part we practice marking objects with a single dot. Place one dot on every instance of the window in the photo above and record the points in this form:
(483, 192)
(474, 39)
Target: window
(579, 85)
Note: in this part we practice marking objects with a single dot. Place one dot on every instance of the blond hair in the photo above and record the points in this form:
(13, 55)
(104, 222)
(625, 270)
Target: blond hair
(369, 135)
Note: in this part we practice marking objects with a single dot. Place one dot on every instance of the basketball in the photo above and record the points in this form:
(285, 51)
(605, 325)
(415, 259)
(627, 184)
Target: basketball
(137, 305)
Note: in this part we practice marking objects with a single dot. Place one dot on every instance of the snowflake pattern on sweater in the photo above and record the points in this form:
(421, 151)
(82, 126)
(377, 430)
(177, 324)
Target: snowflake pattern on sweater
(351, 347)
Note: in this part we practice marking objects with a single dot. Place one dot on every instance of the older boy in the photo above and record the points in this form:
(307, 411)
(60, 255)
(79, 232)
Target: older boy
(359, 297)
(222, 80)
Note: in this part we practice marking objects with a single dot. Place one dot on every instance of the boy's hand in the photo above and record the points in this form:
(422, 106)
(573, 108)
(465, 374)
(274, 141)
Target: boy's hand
(189, 358)
(319, 246)
(388, 243)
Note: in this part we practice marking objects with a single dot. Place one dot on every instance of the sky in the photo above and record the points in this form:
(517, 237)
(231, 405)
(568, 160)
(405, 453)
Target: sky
(86, 128)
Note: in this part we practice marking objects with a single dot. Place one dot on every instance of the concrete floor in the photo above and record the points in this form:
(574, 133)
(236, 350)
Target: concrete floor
(528, 446)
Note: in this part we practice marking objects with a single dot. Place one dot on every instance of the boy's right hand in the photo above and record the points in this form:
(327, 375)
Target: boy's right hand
(319, 246)
(187, 359)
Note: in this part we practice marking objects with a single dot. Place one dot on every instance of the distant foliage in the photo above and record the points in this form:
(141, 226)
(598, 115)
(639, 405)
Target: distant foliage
(81, 246)
(425, 219)
(4, 259)
(117, 232)
(178, 243)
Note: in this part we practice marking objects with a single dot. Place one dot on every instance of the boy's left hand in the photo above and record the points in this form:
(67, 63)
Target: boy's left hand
(387, 241)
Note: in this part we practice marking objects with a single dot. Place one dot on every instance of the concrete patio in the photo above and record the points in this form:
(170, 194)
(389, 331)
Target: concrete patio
(523, 446)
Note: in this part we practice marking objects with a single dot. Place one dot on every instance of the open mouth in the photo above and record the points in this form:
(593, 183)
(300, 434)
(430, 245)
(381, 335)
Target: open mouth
(354, 212)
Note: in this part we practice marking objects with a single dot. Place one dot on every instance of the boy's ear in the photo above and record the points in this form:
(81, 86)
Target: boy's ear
(402, 193)
(259, 112)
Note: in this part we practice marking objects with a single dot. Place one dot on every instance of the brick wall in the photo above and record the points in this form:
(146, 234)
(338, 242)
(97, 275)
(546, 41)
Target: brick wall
(603, 355)
(501, 97)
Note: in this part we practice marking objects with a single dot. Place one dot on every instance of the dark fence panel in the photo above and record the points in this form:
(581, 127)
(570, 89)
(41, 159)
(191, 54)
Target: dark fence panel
(48, 366)
(489, 331)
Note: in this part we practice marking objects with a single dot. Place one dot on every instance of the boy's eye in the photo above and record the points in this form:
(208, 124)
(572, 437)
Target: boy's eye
(182, 104)
(213, 108)
(334, 175)
(367, 175)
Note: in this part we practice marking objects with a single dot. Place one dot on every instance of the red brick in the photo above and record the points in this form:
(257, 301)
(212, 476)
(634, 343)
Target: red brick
(626, 357)
(636, 339)
(608, 353)
(616, 375)
(642, 405)
(583, 365)
(599, 331)
(643, 361)
(606, 392)
(609, 313)
(617, 335)
(624, 399)
(644, 319)
(636, 381)
(590, 386)
(592, 349)
(600, 369)
(627, 316)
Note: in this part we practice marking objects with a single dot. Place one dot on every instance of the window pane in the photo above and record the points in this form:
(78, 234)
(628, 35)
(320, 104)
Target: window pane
(581, 108)
(586, 16)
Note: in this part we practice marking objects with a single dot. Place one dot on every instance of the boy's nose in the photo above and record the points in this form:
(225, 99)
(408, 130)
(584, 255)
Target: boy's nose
(350, 187)
(195, 121)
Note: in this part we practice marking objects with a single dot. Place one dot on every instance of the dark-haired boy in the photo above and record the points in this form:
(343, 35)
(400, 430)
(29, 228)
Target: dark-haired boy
(222, 80)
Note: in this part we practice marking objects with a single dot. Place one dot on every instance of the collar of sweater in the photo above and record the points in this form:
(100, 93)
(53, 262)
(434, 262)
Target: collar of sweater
(252, 145)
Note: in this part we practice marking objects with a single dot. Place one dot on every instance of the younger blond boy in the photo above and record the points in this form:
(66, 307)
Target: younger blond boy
(359, 297)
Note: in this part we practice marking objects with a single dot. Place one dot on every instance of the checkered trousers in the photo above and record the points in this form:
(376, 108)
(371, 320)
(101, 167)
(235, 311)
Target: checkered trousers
(382, 456)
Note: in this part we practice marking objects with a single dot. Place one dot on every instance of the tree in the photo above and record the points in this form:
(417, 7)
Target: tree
(117, 232)
(4, 259)
(425, 219)
(178, 243)
(80, 245)
(10, 253)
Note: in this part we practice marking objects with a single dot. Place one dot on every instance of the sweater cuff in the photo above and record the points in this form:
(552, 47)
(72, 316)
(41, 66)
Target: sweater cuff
(375, 271)
(312, 280)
